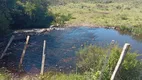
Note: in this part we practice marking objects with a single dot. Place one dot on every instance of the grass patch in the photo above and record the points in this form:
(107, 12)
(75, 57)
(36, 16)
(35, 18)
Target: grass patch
(114, 14)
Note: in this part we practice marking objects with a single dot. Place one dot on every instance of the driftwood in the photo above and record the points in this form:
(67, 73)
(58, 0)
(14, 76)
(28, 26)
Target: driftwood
(38, 30)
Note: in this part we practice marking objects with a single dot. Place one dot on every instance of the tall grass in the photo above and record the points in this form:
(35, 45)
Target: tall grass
(91, 60)
(115, 14)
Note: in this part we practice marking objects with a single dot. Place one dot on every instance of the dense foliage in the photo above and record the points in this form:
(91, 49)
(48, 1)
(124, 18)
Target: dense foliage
(31, 13)
(5, 18)
(91, 61)
(15, 14)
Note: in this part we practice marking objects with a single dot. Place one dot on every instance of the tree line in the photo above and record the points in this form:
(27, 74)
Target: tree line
(21, 14)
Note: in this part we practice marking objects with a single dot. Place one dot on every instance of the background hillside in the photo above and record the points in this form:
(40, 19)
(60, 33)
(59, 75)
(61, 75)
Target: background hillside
(124, 15)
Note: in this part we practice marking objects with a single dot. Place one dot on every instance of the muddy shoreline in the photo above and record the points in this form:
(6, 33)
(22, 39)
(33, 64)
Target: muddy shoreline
(90, 26)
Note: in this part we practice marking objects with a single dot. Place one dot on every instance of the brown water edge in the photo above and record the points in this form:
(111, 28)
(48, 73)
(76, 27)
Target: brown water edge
(90, 25)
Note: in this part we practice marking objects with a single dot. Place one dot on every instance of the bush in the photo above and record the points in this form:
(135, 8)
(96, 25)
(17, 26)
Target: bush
(92, 58)
(60, 19)
(125, 28)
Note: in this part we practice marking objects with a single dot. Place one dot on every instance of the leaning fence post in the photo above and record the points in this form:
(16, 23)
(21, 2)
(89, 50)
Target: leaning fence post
(24, 51)
(10, 41)
(120, 61)
(43, 58)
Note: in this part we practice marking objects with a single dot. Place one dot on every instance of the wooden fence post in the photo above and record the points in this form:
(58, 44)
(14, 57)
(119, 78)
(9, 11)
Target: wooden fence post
(43, 58)
(10, 41)
(121, 59)
(24, 51)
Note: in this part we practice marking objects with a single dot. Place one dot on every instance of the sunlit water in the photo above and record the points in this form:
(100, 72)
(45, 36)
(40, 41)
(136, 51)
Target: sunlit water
(62, 46)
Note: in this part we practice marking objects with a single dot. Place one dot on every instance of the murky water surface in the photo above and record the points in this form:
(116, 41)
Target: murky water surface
(62, 46)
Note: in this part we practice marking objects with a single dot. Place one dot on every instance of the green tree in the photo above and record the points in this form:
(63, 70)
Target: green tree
(5, 8)
(31, 14)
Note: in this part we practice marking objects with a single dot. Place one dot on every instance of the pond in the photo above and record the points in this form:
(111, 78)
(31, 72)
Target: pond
(62, 46)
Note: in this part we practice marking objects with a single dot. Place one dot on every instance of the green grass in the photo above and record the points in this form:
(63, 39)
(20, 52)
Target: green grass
(116, 14)
(4, 74)
(60, 76)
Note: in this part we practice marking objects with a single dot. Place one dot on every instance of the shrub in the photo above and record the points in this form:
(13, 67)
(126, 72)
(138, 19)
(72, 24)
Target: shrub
(92, 58)
(88, 60)
(60, 19)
